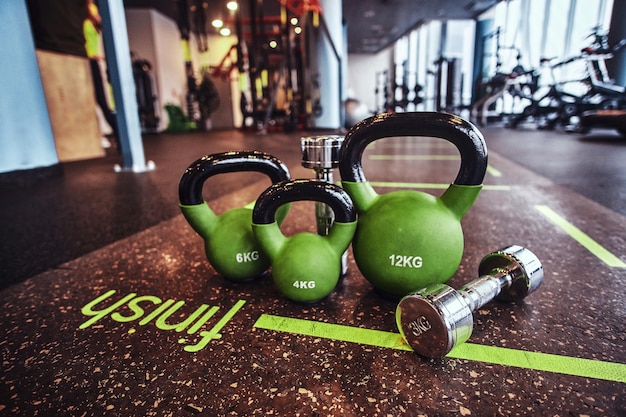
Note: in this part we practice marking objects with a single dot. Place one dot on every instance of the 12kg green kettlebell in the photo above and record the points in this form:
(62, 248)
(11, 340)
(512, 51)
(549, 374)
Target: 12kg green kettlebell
(306, 266)
(407, 240)
(229, 242)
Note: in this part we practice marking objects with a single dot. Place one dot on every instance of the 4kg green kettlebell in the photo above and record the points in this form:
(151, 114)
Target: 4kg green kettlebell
(407, 240)
(229, 242)
(305, 266)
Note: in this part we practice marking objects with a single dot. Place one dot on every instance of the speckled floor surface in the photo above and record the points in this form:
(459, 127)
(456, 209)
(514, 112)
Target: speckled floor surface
(75, 343)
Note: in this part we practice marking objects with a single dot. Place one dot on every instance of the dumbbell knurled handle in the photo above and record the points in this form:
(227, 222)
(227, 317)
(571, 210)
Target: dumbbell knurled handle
(323, 213)
(481, 291)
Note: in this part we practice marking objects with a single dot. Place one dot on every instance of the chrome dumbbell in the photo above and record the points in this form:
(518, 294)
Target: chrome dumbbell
(438, 317)
(321, 154)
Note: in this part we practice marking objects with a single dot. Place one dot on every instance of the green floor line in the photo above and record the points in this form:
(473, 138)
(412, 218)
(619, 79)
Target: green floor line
(412, 143)
(332, 331)
(493, 172)
(567, 365)
(587, 242)
(415, 157)
(432, 186)
(490, 169)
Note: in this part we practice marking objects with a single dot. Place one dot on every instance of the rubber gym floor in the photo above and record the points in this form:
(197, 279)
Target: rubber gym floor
(83, 246)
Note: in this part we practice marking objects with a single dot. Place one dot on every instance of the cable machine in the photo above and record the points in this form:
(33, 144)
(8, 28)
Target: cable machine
(273, 65)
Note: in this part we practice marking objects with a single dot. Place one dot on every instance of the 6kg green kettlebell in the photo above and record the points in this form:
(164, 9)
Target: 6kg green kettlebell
(407, 240)
(305, 266)
(229, 242)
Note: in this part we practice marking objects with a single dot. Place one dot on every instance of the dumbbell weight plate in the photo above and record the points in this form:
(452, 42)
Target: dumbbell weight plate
(523, 267)
(434, 320)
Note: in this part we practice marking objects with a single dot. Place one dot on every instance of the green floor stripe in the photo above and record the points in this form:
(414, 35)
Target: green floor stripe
(490, 170)
(415, 157)
(587, 242)
(432, 186)
(394, 143)
(332, 331)
(587, 368)
(493, 172)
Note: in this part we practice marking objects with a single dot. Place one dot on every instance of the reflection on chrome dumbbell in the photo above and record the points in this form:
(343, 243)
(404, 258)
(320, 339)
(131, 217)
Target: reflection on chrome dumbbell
(438, 317)
(321, 153)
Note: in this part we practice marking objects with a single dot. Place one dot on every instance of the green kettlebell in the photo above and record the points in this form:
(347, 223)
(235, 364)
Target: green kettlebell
(407, 240)
(305, 266)
(229, 242)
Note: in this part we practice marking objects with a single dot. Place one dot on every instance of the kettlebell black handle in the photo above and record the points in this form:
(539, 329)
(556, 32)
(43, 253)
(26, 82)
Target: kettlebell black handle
(468, 140)
(192, 181)
(300, 190)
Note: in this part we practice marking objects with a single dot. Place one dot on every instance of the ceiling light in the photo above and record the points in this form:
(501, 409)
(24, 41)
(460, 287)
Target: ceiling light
(231, 5)
(225, 32)
(217, 23)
